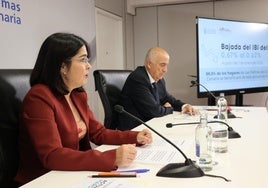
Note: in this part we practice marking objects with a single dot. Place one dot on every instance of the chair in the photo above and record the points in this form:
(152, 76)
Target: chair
(109, 84)
(14, 83)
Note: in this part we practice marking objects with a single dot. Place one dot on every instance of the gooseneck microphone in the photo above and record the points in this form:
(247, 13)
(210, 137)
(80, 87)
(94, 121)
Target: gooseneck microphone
(169, 125)
(195, 83)
(231, 132)
(181, 170)
(188, 169)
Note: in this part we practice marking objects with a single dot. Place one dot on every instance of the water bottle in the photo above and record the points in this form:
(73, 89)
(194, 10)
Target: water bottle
(219, 137)
(202, 143)
(222, 108)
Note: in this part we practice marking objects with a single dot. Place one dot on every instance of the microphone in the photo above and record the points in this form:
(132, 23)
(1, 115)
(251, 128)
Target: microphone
(229, 114)
(195, 83)
(169, 125)
(231, 132)
(193, 76)
(180, 170)
(192, 83)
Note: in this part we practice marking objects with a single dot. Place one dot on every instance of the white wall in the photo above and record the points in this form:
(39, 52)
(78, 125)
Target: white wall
(173, 28)
(20, 43)
(109, 43)
(113, 6)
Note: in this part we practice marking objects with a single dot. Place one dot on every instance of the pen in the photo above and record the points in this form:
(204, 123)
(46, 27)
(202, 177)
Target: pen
(115, 175)
(143, 170)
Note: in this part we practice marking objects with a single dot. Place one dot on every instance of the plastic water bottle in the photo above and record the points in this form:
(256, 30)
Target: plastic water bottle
(222, 108)
(219, 137)
(202, 143)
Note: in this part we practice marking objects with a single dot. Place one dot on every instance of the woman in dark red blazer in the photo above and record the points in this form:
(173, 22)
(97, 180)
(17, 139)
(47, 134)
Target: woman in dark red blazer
(57, 125)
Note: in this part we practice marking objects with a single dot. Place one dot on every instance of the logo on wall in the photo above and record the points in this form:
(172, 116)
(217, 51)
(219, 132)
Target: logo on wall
(9, 12)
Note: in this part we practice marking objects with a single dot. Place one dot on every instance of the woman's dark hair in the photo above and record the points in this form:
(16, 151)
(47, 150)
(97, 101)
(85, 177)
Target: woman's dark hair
(58, 48)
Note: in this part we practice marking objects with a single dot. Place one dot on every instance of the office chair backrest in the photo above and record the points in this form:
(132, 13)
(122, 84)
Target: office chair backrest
(109, 84)
(14, 84)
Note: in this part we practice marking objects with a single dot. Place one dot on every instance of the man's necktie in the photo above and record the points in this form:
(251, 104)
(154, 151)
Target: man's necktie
(155, 91)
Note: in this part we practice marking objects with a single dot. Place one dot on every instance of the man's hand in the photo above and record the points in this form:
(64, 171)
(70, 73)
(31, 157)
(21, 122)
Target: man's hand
(167, 104)
(188, 109)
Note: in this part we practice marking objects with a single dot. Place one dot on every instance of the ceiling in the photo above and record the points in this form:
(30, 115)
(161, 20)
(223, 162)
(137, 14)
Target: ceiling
(133, 4)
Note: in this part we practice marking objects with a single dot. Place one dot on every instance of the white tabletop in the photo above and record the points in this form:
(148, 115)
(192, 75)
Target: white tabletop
(244, 163)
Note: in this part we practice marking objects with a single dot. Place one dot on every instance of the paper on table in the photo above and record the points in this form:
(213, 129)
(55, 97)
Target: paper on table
(106, 183)
(161, 152)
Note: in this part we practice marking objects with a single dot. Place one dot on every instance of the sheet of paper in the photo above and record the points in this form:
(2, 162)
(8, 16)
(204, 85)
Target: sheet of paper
(107, 183)
(161, 152)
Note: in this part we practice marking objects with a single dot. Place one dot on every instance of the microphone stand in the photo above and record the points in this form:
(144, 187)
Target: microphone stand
(188, 169)
(195, 83)
(229, 114)
(231, 132)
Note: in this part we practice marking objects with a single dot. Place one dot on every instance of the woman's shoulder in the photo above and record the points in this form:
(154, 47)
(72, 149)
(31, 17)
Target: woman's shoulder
(40, 89)
(39, 96)
(40, 92)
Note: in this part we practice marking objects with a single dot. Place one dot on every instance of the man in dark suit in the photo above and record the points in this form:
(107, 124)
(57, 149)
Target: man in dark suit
(144, 93)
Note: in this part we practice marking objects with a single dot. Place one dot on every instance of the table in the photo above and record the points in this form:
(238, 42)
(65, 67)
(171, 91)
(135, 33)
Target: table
(245, 163)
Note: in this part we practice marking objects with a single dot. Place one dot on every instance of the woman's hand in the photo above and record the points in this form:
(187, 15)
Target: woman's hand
(144, 137)
(125, 154)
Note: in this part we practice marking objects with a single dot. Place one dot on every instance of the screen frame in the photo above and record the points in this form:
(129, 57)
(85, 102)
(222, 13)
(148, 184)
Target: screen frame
(238, 92)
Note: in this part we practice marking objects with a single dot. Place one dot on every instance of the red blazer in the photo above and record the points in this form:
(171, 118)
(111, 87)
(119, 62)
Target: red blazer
(49, 138)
